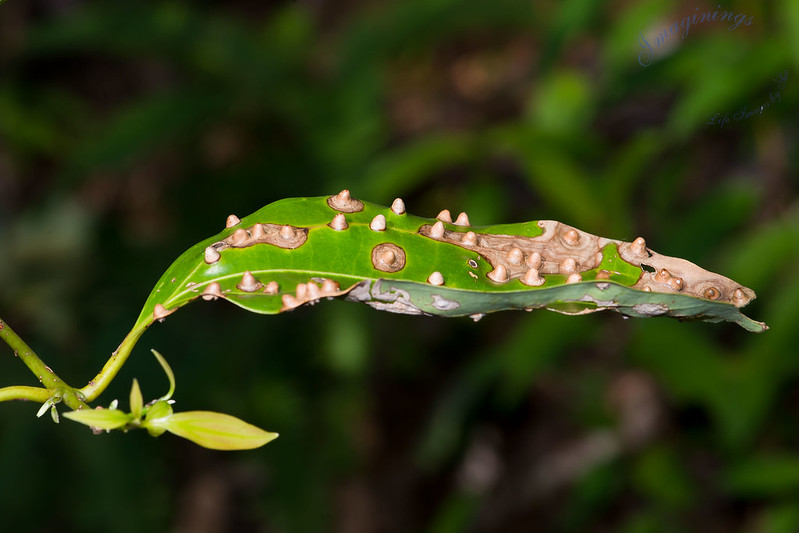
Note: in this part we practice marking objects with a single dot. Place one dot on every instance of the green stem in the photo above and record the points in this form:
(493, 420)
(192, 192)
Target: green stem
(113, 365)
(53, 384)
(34, 394)
(44, 373)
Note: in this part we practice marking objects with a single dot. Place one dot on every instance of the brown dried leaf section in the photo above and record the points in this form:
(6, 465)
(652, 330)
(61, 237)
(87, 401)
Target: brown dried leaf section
(562, 249)
(312, 292)
(283, 236)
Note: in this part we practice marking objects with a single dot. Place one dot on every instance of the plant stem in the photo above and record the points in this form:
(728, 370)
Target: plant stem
(54, 385)
(34, 394)
(44, 373)
(113, 365)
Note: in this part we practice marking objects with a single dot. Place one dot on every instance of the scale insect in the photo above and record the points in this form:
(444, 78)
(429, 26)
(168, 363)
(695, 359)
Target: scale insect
(298, 251)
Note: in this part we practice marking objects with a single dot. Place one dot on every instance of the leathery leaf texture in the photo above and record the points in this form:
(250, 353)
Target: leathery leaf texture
(299, 250)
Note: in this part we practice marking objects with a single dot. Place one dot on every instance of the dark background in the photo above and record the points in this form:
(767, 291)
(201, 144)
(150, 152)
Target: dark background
(130, 130)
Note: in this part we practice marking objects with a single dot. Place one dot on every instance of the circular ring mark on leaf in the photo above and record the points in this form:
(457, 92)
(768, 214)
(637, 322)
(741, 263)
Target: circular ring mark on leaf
(388, 257)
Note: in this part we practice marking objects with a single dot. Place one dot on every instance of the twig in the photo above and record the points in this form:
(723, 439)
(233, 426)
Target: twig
(54, 386)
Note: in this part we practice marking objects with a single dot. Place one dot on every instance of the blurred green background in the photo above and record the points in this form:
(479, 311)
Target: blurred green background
(130, 130)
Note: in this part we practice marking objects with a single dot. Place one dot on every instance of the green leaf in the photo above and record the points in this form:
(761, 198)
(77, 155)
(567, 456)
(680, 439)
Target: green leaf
(159, 409)
(136, 401)
(152, 422)
(215, 430)
(106, 419)
(169, 374)
(45, 406)
(251, 265)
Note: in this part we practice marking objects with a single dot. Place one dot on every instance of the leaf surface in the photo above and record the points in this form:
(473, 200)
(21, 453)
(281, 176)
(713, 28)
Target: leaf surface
(293, 252)
(216, 431)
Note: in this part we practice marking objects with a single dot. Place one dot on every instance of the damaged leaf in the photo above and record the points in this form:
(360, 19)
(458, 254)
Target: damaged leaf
(300, 250)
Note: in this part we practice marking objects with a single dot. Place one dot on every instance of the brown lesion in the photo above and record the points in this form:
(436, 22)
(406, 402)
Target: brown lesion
(559, 250)
(304, 293)
(675, 275)
(248, 283)
(282, 236)
(562, 249)
(388, 257)
(661, 273)
(344, 203)
(160, 312)
(311, 292)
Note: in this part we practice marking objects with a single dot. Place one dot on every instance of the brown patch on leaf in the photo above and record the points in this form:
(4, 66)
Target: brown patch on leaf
(562, 249)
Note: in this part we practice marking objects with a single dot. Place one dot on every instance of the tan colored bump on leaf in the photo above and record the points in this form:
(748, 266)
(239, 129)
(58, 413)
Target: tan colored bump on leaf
(499, 274)
(574, 277)
(302, 291)
(345, 203)
(388, 257)
(290, 302)
(532, 278)
(437, 231)
(231, 221)
(313, 293)
(638, 246)
(285, 236)
(436, 279)
(568, 265)
(534, 260)
(398, 206)
(378, 223)
(711, 293)
(329, 286)
(272, 287)
(257, 232)
(571, 237)
(445, 216)
(239, 237)
(339, 223)
(248, 283)
(665, 277)
(603, 274)
(160, 312)
(212, 291)
(515, 256)
(469, 238)
(286, 233)
(211, 255)
(739, 297)
(462, 220)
